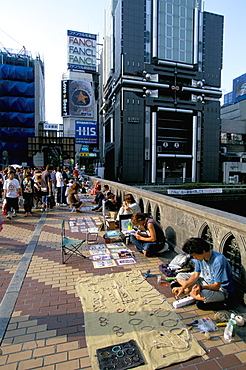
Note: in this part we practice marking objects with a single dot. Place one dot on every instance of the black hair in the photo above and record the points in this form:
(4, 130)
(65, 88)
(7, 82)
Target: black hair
(196, 245)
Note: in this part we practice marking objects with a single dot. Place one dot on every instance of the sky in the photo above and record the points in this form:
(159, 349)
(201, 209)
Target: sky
(41, 26)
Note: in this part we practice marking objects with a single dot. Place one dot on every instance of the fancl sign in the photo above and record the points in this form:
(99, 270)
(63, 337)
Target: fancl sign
(82, 51)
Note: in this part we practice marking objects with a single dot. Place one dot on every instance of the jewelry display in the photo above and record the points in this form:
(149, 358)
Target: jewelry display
(103, 321)
(135, 321)
(129, 299)
(116, 348)
(157, 313)
(118, 331)
(149, 327)
(151, 301)
(174, 322)
(142, 287)
(150, 296)
(173, 341)
(120, 310)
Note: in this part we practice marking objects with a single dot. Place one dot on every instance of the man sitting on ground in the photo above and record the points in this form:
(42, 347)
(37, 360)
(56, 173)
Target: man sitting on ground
(211, 280)
(104, 195)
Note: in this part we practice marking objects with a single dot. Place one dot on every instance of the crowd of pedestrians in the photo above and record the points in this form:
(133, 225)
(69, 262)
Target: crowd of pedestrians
(38, 188)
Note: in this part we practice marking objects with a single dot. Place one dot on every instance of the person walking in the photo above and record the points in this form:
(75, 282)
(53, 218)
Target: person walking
(46, 186)
(12, 192)
(28, 193)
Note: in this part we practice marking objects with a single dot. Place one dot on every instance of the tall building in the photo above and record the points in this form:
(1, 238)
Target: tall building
(233, 133)
(21, 105)
(79, 96)
(160, 111)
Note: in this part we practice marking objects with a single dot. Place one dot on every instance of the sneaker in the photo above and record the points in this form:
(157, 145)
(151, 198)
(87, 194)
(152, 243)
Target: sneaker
(63, 205)
(14, 215)
(77, 210)
(9, 217)
(43, 209)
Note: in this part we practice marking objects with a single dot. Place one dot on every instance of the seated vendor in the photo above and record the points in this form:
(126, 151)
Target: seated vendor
(129, 206)
(211, 280)
(150, 238)
(73, 197)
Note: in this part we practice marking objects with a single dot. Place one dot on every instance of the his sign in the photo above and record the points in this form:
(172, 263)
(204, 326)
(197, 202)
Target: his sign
(86, 132)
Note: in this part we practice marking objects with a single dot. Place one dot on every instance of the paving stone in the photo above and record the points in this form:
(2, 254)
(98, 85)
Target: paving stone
(30, 364)
(54, 359)
(19, 356)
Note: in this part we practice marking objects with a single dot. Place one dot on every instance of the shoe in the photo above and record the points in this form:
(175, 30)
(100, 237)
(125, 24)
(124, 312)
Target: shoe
(43, 209)
(58, 204)
(63, 205)
(211, 306)
(9, 217)
(14, 215)
(98, 210)
(174, 284)
(94, 209)
(77, 210)
(164, 249)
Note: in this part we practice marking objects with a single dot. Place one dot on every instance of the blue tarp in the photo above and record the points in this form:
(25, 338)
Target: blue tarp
(17, 151)
(16, 88)
(16, 119)
(15, 134)
(16, 104)
(19, 73)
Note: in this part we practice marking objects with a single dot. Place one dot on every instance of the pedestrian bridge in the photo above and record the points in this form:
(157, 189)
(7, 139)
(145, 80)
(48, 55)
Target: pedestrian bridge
(226, 232)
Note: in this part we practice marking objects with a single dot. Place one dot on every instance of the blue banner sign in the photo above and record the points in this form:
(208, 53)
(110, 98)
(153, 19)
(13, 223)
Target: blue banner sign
(86, 132)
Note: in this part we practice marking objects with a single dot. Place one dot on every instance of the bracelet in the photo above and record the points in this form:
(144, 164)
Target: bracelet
(120, 310)
(135, 321)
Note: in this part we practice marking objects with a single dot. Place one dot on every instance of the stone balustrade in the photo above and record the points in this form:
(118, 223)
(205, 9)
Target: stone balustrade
(226, 232)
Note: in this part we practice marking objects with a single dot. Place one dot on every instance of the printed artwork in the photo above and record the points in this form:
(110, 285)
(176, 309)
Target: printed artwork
(101, 264)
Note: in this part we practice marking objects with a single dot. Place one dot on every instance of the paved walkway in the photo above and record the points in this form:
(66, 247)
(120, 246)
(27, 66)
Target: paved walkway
(41, 317)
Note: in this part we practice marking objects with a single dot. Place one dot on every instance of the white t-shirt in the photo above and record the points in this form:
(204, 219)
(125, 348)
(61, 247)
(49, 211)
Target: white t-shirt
(12, 187)
(59, 178)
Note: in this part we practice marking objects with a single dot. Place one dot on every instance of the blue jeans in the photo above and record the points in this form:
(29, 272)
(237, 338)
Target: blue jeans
(152, 248)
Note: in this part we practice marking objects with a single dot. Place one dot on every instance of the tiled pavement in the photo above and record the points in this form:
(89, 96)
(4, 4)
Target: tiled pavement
(46, 329)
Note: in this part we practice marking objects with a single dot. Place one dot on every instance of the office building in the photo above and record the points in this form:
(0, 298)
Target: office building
(22, 104)
(160, 109)
(233, 133)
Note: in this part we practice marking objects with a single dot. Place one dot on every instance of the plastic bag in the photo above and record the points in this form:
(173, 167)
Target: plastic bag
(206, 324)
(179, 261)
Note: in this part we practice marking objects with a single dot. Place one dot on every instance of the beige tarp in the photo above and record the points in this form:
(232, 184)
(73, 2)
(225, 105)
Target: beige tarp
(122, 306)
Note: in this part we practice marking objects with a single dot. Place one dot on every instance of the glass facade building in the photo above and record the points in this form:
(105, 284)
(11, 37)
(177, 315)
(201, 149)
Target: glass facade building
(161, 74)
(21, 105)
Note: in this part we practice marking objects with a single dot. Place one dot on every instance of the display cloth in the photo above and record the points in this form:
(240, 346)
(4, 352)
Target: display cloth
(121, 307)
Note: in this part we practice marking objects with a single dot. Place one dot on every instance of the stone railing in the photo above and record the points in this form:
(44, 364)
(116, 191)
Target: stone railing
(181, 220)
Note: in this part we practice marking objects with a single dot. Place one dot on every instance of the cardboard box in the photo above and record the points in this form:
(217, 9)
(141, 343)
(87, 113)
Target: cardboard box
(110, 224)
